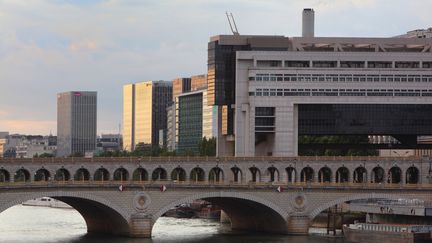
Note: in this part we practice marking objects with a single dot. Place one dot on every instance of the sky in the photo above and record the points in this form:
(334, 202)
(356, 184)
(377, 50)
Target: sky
(52, 46)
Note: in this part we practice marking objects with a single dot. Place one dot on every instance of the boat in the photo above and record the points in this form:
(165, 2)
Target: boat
(181, 211)
(46, 202)
(387, 233)
(210, 211)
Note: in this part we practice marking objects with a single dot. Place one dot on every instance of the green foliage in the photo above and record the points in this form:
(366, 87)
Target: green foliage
(207, 147)
(342, 140)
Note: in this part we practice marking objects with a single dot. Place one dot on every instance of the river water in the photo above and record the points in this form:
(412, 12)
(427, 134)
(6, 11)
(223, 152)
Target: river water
(39, 224)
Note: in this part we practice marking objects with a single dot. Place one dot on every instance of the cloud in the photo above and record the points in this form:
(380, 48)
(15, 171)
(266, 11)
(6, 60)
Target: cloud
(86, 45)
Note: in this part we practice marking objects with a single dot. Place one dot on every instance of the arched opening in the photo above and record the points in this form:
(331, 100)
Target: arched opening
(256, 174)
(140, 174)
(307, 174)
(42, 175)
(101, 174)
(4, 175)
(98, 216)
(82, 174)
(291, 174)
(121, 174)
(273, 174)
(22, 175)
(394, 175)
(62, 175)
(159, 174)
(178, 174)
(216, 175)
(237, 174)
(412, 175)
(377, 175)
(266, 217)
(342, 175)
(360, 175)
(197, 174)
(324, 174)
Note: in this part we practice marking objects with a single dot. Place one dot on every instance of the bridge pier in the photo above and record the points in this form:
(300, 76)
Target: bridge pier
(140, 226)
(298, 224)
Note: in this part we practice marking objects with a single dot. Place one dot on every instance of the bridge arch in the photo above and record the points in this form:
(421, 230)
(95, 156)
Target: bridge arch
(22, 175)
(325, 174)
(255, 174)
(412, 175)
(121, 174)
(42, 175)
(360, 175)
(394, 175)
(159, 174)
(216, 174)
(237, 174)
(352, 197)
(197, 174)
(377, 175)
(4, 175)
(82, 174)
(101, 174)
(267, 216)
(140, 174)
(307, 174)
(291, 174)
(273, 174)
(62, 175)
(342, 175)
(178, 174)
(100, 215)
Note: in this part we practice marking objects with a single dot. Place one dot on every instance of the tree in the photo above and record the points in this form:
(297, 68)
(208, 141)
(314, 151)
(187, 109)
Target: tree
(207, 147)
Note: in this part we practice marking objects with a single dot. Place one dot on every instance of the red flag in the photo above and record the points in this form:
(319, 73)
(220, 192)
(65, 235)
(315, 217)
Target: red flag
(279, 189)
(163, 188)
(121, 188)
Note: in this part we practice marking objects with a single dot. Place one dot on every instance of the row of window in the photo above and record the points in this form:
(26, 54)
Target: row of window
(342, 64)
(340, 78)
(341, 92)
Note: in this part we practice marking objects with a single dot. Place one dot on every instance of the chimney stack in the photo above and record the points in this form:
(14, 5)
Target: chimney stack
(308, 27)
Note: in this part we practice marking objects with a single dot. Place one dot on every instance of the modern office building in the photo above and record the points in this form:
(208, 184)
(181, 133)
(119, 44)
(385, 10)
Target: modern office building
(76, 122)
(271, 89)
(144, 112)
(190, 118)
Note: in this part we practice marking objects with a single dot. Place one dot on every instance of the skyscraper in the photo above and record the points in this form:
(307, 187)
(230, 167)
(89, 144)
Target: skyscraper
(76, 122)
(144, 112)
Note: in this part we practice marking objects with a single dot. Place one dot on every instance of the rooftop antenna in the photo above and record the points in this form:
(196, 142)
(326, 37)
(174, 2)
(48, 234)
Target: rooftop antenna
(232, 25)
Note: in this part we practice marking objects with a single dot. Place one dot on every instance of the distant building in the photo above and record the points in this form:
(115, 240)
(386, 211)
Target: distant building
(76, 122)
(171, 127)
(181, 85)
(420, 33)
(32, 146)
(144, 112)
(109, 142)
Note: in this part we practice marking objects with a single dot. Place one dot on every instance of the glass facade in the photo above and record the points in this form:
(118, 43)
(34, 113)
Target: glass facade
(190, 122)
(143, 113)
(128, 116)
(366, 119)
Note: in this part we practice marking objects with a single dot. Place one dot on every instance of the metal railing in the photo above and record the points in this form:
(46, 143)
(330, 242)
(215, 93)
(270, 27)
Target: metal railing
(209, 159)
(230, 184)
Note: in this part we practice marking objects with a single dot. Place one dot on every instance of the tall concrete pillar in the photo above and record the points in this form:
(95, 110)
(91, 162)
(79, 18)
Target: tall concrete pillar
(298, 224)
(140, 226)
(286, 131)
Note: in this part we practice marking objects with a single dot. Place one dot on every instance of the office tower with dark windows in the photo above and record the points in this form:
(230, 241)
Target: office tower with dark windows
(144, 112)
(76, 122)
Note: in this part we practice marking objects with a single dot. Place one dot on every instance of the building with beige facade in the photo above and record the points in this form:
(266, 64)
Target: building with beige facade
(144, 112)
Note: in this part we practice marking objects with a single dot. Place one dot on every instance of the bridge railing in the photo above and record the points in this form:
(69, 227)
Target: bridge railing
(204, 159)
(250, 185)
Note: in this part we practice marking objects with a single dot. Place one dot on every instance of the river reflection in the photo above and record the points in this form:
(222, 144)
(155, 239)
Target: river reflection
(39, 224)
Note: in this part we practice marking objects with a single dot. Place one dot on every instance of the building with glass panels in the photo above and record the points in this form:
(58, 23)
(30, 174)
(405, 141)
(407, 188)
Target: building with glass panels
(272, 89)
(76, 122)
(144, 112)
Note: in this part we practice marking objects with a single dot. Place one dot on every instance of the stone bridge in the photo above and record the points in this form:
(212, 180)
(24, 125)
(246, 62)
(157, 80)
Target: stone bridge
(281, 195)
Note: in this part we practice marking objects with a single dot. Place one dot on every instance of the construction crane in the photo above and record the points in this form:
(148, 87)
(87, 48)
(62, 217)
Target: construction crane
(232, 23)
